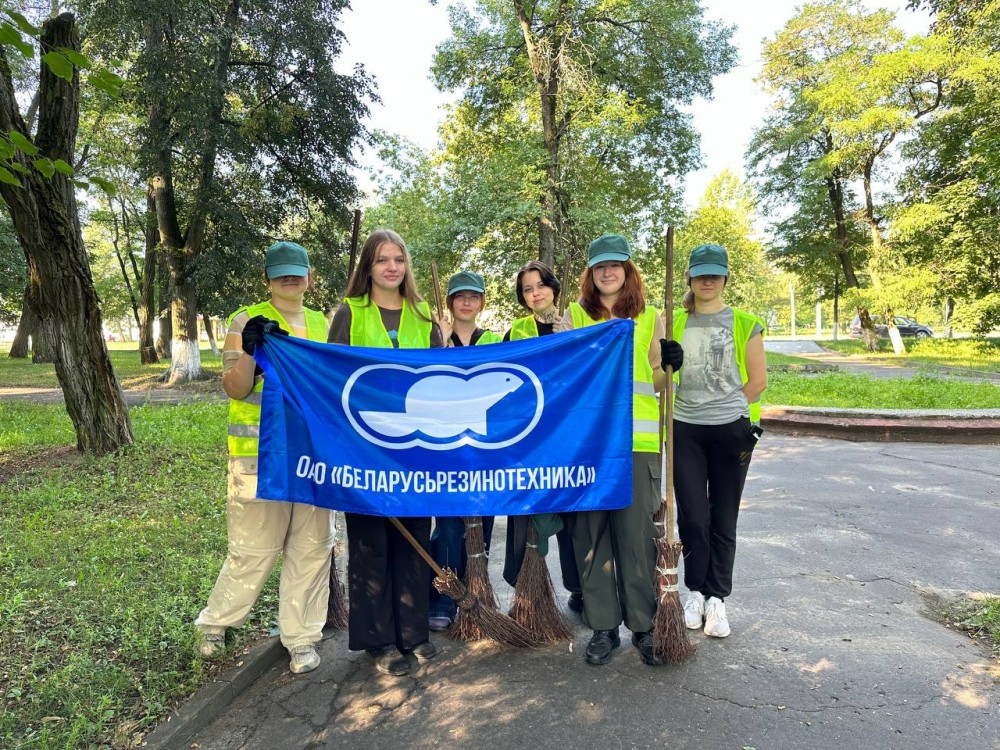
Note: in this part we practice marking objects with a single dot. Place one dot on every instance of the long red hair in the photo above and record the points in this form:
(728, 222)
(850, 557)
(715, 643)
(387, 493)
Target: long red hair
(631, 299)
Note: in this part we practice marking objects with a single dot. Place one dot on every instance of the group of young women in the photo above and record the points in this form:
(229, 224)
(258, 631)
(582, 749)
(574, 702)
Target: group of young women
(607, 558)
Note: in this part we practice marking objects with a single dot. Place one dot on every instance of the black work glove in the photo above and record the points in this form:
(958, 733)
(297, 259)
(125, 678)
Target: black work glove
(254, 330)
(671, 355)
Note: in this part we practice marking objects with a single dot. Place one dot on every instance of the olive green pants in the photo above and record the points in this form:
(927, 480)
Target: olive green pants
(616, 555)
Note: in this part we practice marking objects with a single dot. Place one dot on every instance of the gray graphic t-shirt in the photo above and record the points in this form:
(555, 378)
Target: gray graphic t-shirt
(711, 389)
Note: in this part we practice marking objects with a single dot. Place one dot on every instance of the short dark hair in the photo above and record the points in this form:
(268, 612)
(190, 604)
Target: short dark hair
(548, 279)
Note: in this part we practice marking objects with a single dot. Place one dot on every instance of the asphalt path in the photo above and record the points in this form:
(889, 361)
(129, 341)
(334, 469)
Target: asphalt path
(843, 550)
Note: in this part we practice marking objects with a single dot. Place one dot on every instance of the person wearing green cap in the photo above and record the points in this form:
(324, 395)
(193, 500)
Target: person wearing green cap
(260, 530)
(716, 416)
(465, 300)
(616, 549)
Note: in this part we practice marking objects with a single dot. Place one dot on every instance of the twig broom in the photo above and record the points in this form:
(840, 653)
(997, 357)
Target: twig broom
(477, 581)
(670, 639)
(534, 604)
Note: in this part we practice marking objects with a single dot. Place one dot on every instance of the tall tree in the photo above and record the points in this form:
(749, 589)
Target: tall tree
(230, 86)
(44, 212)
(609, 77)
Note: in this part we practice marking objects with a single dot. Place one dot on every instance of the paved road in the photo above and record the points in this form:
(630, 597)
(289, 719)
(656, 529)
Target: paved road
(841, 544)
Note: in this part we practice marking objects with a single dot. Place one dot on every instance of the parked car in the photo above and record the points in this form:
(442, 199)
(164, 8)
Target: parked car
(906, 326)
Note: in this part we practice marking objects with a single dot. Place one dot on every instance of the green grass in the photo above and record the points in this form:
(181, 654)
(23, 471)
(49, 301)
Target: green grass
(22, 373)
(861, 392)
(982, 355)
(105, 565)
(776, 359)
(980, 618)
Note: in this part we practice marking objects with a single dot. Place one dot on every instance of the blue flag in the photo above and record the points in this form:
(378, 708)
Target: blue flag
(533, 426)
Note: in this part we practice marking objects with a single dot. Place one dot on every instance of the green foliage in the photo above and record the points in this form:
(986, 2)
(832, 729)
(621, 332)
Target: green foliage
(861, 392)
(979, 616)
(110, 561)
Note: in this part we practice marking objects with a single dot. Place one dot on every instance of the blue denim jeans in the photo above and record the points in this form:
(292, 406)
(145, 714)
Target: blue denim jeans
(447, 547)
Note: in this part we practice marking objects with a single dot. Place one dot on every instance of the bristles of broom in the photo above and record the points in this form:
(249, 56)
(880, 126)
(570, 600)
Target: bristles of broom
(496, 625)
(477, 581)
(336, 609)
(534, 600)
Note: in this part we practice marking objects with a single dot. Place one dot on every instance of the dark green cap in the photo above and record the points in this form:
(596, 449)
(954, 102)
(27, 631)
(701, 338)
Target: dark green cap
(608, 247)
(466, 281)
(709, 260)
(286, 259)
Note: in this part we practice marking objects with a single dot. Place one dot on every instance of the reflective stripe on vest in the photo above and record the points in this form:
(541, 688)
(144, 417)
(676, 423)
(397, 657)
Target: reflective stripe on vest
(367, 328)
(645, 409)
(244, 413)
(743, 324)
(524, 328)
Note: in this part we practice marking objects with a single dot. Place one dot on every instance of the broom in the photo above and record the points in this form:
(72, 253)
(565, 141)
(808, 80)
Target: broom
(534, 604)
(336, 609)
(477, 581)
(670, 639)
(495, 625)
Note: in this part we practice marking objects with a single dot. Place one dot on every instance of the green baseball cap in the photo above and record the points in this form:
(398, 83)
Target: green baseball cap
(466, 281)
(709, 260)
(286, 259)
(608, 247)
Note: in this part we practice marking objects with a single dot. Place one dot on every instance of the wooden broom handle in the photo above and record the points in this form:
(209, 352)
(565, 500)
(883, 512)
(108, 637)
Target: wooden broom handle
(437, 289)
(416, 545)
(667, 399)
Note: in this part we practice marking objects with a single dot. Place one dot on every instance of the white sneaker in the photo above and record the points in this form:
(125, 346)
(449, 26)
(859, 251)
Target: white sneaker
(304, 659)
(716, 622)
(211, 643)
(694, 610)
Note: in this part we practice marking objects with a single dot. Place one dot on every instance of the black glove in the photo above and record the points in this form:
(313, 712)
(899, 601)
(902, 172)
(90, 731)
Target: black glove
(671, 355)
(254, 330)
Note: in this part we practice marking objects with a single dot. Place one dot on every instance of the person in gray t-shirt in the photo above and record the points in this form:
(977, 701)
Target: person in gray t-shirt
(716, 408)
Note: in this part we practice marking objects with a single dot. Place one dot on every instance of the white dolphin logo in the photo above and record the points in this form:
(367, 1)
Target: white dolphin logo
(443, 406)
(449, 402)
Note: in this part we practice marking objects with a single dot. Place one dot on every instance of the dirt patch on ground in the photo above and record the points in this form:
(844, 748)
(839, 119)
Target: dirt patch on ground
(22, 463)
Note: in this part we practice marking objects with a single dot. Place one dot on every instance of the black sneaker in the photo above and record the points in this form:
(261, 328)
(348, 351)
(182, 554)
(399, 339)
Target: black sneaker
(389, 661)
(575, 602)
(602, 643)
(644, 642)
(424, 651)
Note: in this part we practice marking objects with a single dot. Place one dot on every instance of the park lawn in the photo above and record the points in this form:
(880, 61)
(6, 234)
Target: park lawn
(106, 563)
(982, 355)
(839, 390)
(132, 374)
(776, 359)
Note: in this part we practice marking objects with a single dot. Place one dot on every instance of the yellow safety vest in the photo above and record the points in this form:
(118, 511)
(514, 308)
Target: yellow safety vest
(489, 337)
(244, 413)
(367, 328)
(743, 325)
(645, 409)
(524, 328)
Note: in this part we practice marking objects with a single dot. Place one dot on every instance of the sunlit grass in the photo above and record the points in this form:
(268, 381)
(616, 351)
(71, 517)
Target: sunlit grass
(840, 390)
(973, 354)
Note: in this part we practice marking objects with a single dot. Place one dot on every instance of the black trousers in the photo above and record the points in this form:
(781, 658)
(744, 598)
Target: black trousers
(517, 538)
(387, 583)
(710, 468)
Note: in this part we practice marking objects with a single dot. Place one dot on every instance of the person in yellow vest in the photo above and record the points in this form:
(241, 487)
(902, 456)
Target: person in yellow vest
(260, 530)
(716, 416)
(387, 579)
(465, 300)
(616, 549)
(537, 290)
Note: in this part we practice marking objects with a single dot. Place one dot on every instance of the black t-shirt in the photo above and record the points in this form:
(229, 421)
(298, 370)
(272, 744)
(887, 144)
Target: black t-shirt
(476, 335)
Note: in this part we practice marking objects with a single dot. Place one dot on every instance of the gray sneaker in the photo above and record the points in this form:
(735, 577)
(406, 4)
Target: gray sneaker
(211, 643)
(303, 659)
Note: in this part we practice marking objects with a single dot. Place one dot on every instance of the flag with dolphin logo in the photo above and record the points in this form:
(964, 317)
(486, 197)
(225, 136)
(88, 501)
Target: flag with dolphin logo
(534, 426)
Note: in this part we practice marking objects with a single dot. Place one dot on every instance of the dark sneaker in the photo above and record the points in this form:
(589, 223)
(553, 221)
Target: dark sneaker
(437, 623)
(575, 602)
(389, 661)
(602, 643)
(424, 651)
(644, 642)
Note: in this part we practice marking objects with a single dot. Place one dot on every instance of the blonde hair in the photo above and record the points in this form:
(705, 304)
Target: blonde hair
(361, 282)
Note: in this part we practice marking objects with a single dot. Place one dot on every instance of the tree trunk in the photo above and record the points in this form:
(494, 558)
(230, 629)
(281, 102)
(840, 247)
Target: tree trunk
(26, 328)
(42, 351)
(163, 307)
(147, 290)
(61, 287)
(835, 191)
(206, 320)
